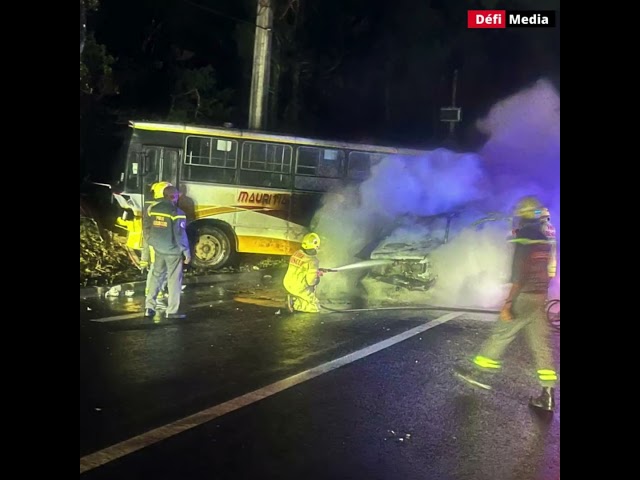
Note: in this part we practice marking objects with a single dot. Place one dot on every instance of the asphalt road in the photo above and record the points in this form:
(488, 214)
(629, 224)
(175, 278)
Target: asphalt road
(242, 389)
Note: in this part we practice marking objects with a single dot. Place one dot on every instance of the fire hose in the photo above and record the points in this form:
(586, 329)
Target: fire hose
(553, 318)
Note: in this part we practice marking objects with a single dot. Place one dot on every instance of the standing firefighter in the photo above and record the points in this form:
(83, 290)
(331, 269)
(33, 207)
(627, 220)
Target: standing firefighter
(168, 238)
(303, 275)
(148, 254)
(524, 310)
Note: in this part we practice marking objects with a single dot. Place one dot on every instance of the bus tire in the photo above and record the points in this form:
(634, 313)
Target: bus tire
(212, 247)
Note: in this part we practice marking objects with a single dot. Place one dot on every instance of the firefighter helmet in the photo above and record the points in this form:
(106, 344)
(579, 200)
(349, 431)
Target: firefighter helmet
(158, 189)
(544, 213)
(528, 208)
(311, 241)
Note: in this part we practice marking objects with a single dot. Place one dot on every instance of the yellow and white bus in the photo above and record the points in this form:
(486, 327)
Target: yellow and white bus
(242, 191)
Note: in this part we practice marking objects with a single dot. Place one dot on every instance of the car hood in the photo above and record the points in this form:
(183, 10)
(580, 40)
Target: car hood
(395, 250)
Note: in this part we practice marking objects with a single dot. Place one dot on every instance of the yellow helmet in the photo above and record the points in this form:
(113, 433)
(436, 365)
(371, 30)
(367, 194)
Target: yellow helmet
(528, 208)
(311, 241)
(158, 189)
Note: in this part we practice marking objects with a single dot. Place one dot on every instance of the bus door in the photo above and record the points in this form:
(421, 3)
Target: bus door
(158, 164)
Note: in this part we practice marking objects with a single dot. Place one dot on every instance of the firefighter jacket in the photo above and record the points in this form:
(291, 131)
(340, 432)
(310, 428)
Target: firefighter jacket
(302, 273)
(167, 229)
(531, 259)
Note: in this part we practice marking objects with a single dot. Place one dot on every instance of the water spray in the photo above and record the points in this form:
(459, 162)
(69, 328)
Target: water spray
(358, 265)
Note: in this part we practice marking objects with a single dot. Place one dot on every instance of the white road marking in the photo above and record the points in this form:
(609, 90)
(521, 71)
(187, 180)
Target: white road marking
(126, 316)
(141, 441)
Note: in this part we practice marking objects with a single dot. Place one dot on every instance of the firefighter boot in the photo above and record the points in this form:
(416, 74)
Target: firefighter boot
(290, 300)
(545, 401)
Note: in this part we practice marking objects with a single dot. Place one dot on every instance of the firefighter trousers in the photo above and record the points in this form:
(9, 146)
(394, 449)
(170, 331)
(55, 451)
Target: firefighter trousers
(305, 300)
(148, 283)
(149, 257)
(166, 268)
(529, 317)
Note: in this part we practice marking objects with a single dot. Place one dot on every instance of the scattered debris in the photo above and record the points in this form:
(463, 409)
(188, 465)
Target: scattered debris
(101, 262)
(398, 437)
(107, 262)
(114, 291)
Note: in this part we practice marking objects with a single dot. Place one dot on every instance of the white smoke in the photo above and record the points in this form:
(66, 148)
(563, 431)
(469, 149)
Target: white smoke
(399, 188)
(521, 157)
(473, 269)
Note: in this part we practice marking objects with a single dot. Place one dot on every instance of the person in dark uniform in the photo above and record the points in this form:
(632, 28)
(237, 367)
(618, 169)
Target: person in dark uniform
(523, 311)
(148, 255)
(168, 237)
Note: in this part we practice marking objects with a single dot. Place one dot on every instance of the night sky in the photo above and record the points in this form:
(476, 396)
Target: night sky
(357, 70)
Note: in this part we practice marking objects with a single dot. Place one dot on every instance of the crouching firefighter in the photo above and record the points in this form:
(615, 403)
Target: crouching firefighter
(148, 254)
(303, 276)
(523, 311)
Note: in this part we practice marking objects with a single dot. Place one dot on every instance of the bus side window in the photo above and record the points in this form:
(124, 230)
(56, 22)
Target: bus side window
(211, 159)
(319, 169)
(321, 162)
(266, 165)
(360, 164)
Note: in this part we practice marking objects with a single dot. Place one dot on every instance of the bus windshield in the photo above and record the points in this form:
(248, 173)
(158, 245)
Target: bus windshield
(142, 170)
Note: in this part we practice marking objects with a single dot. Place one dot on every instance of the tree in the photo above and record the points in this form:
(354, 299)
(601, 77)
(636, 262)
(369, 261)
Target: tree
(197, 97)
(96, 83)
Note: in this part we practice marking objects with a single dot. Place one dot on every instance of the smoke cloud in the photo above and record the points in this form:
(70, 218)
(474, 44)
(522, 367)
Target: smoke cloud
(521, 157)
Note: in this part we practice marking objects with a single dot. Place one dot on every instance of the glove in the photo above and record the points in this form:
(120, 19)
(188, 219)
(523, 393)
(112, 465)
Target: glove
(187, 259)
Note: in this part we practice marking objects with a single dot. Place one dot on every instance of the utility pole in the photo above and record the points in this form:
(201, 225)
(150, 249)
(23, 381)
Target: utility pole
(452, 114)
(261, 66)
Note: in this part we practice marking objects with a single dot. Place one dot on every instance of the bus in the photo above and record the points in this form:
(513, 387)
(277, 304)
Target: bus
(242, 191)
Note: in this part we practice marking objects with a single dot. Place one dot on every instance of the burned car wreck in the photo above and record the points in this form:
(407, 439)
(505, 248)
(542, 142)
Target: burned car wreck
(400, 252)
(401, 256)
(408, 265)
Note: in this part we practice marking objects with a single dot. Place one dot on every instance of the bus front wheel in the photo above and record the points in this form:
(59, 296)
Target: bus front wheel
(212, 247)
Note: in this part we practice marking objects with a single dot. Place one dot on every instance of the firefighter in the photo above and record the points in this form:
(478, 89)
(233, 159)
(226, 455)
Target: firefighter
(523, 310)
(168, 237)
(303, 276)
(148, 255)
(549, 231)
